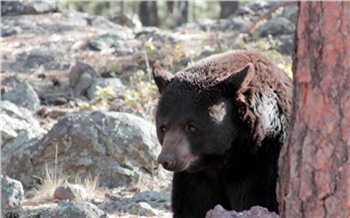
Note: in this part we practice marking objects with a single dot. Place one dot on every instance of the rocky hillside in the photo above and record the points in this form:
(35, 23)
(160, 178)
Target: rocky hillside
(77, 102)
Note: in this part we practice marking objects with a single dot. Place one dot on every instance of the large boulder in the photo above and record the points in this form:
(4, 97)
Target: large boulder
(119, 147)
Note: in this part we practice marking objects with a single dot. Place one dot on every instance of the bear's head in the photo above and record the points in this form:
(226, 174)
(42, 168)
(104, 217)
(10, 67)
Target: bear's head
(196, 118)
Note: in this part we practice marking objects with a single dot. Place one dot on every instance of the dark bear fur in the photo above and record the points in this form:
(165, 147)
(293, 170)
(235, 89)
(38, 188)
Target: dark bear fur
(221, 124)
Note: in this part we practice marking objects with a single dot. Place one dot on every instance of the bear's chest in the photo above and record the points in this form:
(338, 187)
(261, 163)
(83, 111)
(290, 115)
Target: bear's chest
(235, 189)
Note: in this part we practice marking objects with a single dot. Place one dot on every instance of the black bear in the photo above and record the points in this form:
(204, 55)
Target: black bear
(221, 124)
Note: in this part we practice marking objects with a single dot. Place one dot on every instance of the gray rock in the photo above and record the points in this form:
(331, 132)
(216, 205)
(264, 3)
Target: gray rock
(239, 23)
(126, 205)
(18, 7)
(127, 19)
(150, 196)
(206, 25)
(116, 206)
(291, 13)
(285, 44)
(12, 193)
(140, 209)
(81, 76)
(74, 209)
(123, 48)
(157, 35)
(255, 9)
(119, 147)
(33, 58)
(13, 148)
(14, 121)
(254, 212)
(107, 41)
(275, 26)
(10, 82)
(24, 95)
(70, 192)
(56, 40)
(114, 83)
(19, 129)
(103, 24)
(57, 113)
(63, 193)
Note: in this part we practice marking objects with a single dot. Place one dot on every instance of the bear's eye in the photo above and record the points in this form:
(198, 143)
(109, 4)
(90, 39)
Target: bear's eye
(190, 128)
(163, 129)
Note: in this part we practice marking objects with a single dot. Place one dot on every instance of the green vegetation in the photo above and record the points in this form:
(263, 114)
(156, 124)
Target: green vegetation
(103, 95)
(141, 94)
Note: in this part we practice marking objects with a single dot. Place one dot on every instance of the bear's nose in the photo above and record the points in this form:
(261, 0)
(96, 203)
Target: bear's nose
(167, 161)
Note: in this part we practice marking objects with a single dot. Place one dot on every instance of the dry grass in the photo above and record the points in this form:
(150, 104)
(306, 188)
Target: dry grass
(44, 192)
(91, 189)
(52, 180)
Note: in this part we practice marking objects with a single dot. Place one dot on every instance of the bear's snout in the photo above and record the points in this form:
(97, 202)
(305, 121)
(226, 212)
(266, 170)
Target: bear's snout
(167, 161)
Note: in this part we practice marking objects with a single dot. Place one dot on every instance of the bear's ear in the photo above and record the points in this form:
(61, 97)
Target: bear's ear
(161, 77)
(239, 79)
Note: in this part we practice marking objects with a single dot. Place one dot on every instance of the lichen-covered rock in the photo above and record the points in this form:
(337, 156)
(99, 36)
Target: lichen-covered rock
(12, 193)
(254, 212)
(120, 147)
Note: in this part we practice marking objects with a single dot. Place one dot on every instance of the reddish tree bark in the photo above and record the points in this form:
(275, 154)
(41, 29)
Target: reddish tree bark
(315, 166)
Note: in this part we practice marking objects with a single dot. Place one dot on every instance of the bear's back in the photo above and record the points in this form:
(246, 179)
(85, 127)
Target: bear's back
(211, 70)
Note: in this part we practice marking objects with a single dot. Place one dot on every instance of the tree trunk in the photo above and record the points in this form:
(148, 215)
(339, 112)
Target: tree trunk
(148, 13)
(182, 13)
(228, 8)
(315, 166)
(170, 7)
